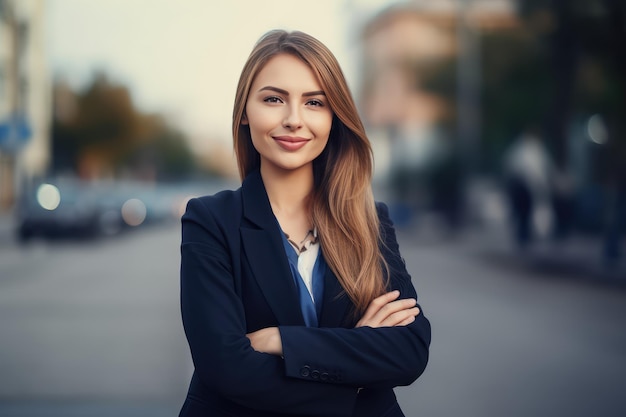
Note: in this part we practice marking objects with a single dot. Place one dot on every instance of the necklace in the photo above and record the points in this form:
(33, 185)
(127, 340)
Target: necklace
(309, 239)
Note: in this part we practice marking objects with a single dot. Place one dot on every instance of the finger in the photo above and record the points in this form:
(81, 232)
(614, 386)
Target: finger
(388, 309)
(400, 317)
(379, 302)
(393, 307)
(391, 314)
(382, 300)
(406, 322)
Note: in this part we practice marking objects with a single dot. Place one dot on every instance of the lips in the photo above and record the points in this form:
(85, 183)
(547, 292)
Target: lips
(290, 143)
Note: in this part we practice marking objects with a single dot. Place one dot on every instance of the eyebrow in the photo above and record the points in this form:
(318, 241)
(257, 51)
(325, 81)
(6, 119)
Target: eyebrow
(286, 93)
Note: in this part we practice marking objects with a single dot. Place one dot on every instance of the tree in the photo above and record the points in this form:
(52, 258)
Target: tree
(587, 61)
(99, 132)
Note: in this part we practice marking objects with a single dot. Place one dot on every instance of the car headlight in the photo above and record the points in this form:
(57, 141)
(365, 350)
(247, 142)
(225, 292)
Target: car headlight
(48, 196)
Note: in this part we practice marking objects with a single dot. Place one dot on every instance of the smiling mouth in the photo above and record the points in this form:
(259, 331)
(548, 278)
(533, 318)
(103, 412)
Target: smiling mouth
(291, 139)
(290, 143)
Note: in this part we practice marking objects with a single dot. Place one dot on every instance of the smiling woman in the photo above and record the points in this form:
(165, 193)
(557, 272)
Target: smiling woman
(295, 298)
(288, 116)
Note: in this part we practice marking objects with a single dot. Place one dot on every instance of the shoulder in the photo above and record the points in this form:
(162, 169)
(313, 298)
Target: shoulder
(385, 226)
(220, 207)
(386, 229)
(382, 209)
(383, 215)
(222, 201)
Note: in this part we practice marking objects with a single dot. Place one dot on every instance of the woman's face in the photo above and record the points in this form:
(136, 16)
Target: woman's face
(288, 115)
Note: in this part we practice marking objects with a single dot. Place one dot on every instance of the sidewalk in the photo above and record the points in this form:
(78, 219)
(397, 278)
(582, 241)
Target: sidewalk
(577, 257)
(574, 257)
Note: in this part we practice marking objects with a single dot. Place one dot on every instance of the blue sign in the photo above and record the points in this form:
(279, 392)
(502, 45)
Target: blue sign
(14, 133)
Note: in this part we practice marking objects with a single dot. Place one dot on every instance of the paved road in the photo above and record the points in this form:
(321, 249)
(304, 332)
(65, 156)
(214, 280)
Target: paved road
(511, 341)
(93, 329)
(92, 326)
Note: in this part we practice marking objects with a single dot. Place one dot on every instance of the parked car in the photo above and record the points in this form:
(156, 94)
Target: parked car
(66, 209)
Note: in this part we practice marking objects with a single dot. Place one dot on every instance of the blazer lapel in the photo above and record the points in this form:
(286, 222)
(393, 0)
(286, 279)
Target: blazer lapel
(264, 250)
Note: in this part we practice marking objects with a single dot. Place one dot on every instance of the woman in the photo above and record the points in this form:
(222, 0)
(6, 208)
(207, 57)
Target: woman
(295, 300)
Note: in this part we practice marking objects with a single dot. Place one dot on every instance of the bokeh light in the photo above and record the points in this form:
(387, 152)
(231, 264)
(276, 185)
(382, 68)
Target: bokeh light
(48, 196)
(134, 212)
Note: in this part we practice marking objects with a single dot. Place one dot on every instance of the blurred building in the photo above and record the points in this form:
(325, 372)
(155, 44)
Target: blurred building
(420, 91)
(403, 45)
(24, 97)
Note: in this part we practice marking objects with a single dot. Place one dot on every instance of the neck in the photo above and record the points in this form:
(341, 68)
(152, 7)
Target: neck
(288, 191)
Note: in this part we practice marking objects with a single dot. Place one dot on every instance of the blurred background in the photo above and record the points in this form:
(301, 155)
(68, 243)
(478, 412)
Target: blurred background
(499, 135)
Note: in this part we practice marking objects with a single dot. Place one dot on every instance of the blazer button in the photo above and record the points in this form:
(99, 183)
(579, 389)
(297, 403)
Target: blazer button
(315, 374)
(324, 376)
(305, 371)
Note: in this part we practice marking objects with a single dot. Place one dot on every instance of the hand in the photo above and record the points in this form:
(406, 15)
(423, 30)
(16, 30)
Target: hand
(267, 340)
(386, 311)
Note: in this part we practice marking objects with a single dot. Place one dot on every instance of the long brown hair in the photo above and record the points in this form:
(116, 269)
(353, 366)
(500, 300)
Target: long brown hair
(343, 208)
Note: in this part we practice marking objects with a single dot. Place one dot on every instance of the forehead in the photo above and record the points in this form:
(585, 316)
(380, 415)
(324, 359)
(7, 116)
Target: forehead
(287, 71)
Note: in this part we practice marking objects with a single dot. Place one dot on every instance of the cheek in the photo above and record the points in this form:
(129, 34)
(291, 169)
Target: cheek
(323, 137)
(256, 126)
(324, 125)
(260, 120)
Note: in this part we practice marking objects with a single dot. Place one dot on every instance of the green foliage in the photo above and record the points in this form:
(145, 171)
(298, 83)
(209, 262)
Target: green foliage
(166, 150)
(104, 133)
(587, 62)
(563, 62)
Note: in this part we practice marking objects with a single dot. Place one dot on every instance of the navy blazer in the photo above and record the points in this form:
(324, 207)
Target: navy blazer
(235, 279)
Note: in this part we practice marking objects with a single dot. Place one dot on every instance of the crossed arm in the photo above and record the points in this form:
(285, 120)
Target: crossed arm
(384, 311)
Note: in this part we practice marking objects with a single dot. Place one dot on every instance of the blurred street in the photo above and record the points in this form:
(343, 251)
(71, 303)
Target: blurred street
(93, 329)
(512, 338)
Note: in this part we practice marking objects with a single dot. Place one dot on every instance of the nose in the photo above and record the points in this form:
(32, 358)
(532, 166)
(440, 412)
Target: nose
(292, 118)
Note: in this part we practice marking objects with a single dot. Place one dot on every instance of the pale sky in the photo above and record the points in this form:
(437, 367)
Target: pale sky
(183, 58)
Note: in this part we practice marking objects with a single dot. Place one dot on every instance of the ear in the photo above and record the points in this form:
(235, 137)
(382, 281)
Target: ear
(244, 119)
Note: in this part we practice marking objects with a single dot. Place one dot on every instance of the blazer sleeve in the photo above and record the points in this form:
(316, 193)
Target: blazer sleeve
(365, 357)
(214, 323)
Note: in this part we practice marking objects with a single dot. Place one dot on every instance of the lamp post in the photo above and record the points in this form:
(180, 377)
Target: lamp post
(468, 90)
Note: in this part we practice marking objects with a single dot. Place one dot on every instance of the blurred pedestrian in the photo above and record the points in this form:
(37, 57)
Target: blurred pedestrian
(295, 298)
(527, 172)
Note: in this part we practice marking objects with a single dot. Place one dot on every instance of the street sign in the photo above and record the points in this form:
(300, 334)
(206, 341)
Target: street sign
(14, 133)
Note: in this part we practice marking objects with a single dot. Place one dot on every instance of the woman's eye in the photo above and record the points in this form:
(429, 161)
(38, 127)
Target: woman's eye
(315, 103)
(272, 99)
